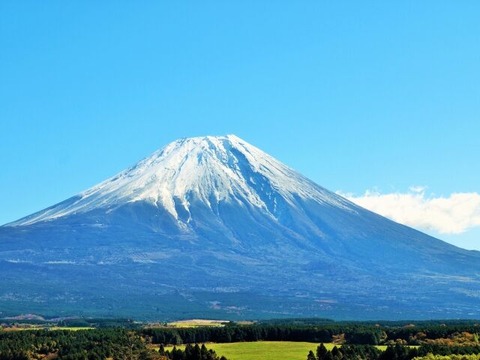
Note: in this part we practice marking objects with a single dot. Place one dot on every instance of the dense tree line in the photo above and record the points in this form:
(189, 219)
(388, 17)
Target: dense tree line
(346, 352)
(445, 350)
(449, 357)
(229, 334)
(72, 345)
(343, 333)
(99, 344)
(121, 343)
(234, 333)
(191, 352)
(395, 352)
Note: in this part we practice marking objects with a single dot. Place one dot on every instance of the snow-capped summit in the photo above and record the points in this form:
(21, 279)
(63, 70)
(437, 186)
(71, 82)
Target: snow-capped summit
(210, 169)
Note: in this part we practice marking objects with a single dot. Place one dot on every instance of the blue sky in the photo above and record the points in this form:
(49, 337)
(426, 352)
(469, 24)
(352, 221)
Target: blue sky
(378, 100)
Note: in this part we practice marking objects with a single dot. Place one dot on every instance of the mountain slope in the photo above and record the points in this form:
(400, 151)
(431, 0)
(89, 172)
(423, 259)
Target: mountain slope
(214, 226)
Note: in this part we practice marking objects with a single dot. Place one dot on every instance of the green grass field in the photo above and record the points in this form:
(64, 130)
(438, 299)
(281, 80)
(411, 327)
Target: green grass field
(261, 350)
(197, 323)
(69, 328)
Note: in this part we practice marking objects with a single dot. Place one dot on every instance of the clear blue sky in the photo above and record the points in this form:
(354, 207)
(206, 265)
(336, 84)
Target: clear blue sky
(356, 95)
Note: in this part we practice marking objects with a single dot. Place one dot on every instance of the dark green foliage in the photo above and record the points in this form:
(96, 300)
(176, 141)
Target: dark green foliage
(311, 356)
(72, 345)
(98, 344)
(448, 350)
(237, 333)
(321, 352)
(354, 333)
(367, 352)
(191, 352)
(357, 339)
(396, 352)
(347, 352)
(357, 352)
(364, 336)
(336, 353)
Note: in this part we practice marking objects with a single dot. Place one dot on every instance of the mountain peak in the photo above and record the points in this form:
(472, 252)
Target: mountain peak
(207, 169)
(214, 226)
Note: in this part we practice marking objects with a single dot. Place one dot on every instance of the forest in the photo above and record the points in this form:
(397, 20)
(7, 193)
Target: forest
(96, 344)
(375, 341)
(393, 352)
(448, 333)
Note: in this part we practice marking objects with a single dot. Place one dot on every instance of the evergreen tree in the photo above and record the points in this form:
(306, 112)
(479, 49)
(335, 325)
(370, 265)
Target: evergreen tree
(322, 352)
(311, 356)
(336, 353)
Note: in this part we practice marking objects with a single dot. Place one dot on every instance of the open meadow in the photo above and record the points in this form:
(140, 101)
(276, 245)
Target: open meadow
(197, 323)
(260, 350)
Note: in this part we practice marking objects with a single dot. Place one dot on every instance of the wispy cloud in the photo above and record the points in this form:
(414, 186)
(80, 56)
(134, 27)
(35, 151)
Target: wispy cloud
(454, 214)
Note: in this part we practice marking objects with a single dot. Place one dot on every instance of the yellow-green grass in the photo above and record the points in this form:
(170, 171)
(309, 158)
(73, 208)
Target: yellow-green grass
(26, 328)
(260, 350)
(71, 328)
(197, 323)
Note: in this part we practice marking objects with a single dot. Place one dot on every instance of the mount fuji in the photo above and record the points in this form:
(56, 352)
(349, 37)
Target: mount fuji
(214, 227)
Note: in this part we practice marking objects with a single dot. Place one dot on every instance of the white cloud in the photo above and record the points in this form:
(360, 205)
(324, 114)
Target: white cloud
(454, 214)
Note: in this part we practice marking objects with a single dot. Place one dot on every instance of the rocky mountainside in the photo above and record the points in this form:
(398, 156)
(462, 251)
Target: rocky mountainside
(214, 227)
